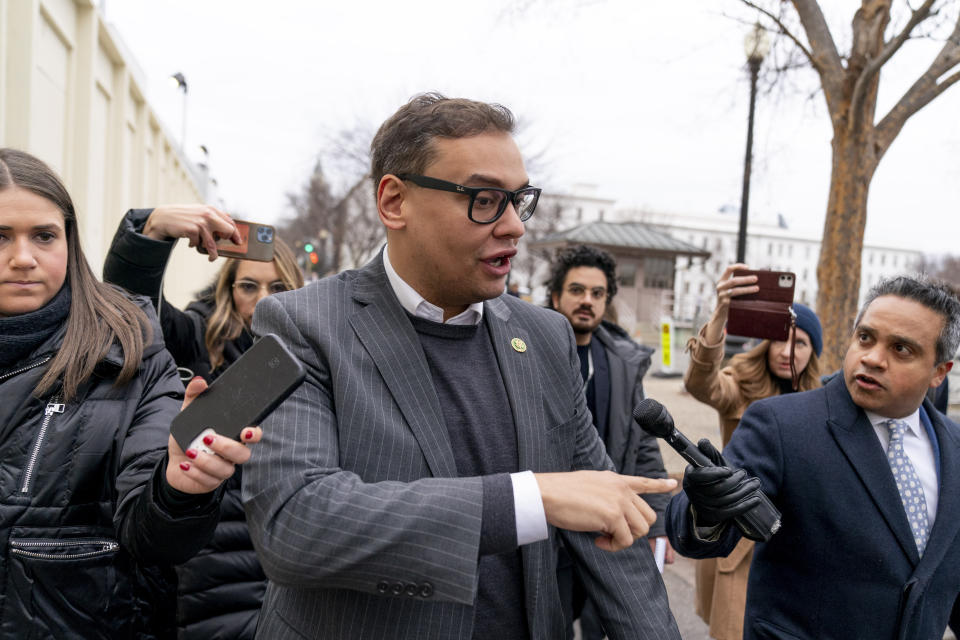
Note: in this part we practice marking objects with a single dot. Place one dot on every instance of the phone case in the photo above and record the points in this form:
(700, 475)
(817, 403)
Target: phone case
(766, 313)
(256, 242)
(253, 386)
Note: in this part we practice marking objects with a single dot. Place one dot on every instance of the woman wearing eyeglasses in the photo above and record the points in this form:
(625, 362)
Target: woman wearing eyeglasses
(221, 589)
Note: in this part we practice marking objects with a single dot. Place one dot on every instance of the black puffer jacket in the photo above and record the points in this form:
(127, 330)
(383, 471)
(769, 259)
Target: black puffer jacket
(221, 589)
(83, 537)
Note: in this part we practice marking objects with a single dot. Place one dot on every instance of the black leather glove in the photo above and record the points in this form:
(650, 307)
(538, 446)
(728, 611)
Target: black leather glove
(719, 493)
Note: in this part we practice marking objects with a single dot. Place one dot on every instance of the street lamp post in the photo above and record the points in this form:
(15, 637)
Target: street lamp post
(756, 45)
(180, 82)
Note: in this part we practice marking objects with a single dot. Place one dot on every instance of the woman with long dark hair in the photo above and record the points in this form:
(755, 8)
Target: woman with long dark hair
(221, 589)
(762, 372)
(97, 501)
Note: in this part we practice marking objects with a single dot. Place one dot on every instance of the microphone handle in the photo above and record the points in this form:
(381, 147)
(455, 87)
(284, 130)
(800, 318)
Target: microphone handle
(761, 522)
(689, 451)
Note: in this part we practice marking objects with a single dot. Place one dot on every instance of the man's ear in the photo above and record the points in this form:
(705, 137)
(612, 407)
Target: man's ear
(941, 371)
(390, 194)
(555, 298)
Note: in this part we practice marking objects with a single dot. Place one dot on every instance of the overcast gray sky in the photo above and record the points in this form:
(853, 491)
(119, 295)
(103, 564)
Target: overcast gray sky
(646, 100)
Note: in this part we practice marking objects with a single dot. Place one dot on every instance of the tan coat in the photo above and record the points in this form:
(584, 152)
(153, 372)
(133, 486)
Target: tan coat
(721, 582)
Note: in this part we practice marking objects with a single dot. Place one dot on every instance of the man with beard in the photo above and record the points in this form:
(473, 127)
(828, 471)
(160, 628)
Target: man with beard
(582, 284)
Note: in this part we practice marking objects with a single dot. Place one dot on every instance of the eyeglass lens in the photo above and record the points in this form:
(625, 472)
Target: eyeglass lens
(250, 288)
(489, 204)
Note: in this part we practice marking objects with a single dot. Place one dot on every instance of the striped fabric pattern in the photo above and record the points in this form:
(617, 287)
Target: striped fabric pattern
(352, 497)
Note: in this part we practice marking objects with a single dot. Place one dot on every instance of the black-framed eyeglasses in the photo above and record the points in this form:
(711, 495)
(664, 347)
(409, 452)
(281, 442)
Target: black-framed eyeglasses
(487, 204)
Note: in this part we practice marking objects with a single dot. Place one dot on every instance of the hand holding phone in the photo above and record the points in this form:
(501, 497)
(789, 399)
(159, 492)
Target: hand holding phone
(253, 386)
(765, 313)
(256, 242)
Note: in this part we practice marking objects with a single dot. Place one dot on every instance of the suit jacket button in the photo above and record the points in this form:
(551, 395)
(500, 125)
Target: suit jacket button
(426, 590)
(397, 588)
(383, 586)
(411, 589)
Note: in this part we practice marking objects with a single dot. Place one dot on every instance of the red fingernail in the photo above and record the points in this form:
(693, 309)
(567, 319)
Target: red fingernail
(185, 466)
(191, 453)
(208, 440)
(248, 434)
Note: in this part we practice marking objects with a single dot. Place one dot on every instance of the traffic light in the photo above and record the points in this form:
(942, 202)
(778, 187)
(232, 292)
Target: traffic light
(314, 258)
(308, 247)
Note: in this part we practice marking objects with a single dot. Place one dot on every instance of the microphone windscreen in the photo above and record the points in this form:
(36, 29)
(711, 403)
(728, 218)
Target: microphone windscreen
(653, 418)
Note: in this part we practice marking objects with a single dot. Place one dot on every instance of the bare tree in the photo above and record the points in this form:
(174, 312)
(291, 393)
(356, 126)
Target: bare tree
(547, 219)
(336, 202)
(314, 211)
(945, 267)
(850, 81)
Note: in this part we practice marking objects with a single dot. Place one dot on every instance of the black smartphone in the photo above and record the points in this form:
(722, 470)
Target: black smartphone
(253, 386)
(766, 313)
(256, 242)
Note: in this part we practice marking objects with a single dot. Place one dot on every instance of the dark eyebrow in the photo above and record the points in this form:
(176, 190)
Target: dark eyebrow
(39, 227)
(480, 178)
(910, 342)
(578, 284)
(916, 346)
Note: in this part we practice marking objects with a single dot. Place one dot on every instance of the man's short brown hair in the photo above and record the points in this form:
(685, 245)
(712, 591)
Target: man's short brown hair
(403, 143)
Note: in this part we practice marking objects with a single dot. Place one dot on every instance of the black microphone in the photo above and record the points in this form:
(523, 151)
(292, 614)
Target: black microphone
(760, 522)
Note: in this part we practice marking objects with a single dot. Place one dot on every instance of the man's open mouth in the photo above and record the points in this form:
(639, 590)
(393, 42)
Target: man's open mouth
(868, 381)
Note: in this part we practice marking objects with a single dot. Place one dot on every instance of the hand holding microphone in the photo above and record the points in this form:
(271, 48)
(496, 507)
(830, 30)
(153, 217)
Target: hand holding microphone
(718, 492)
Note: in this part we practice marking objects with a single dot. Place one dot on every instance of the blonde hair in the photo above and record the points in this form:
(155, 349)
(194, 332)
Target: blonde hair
(225, 323)
(752, 372)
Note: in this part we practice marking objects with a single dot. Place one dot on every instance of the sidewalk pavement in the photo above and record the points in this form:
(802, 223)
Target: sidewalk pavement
(696, 420)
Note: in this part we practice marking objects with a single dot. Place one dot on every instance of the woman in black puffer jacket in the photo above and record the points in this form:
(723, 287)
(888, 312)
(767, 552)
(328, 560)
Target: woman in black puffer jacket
(221, 589)
(97, 502)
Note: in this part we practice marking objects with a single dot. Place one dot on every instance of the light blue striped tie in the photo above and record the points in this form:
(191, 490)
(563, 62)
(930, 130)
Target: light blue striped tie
(908, 483)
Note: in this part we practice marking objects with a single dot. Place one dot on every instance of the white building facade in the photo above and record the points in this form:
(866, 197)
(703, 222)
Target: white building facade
(770, 245)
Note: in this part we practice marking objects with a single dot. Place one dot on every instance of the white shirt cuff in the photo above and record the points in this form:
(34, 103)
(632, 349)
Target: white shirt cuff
(528, 506)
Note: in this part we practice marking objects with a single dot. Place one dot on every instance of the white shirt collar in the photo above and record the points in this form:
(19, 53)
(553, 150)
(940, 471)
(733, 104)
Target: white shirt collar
(416, 305)
(912, 420)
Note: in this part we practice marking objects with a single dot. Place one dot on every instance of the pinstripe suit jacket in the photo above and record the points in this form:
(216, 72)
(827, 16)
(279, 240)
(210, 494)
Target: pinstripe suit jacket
(353, 499)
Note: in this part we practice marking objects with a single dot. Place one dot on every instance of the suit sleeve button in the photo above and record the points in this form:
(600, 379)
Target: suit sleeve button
(426, 590)
(397, 588)
(383, 586)
(411, 589)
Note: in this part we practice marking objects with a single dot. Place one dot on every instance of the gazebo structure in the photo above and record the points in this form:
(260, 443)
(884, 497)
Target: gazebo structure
(646, 264)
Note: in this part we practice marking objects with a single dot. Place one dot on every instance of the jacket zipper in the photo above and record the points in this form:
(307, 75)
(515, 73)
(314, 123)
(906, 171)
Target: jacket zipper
(20, 549)
(52, 407)
(26, 368)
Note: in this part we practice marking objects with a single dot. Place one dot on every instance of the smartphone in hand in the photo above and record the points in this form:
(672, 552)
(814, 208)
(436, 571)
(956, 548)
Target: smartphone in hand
(256, 242)
(253, 386)
(765, 314)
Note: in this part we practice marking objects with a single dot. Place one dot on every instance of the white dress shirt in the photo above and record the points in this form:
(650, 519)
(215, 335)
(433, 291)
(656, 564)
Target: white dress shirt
(531, 519)
(917, 446)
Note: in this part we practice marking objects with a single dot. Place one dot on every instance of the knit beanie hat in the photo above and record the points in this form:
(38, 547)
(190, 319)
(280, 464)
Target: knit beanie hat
(808, 321)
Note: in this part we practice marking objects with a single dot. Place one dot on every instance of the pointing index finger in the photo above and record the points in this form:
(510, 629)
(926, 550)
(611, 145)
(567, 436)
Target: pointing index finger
(639, 484)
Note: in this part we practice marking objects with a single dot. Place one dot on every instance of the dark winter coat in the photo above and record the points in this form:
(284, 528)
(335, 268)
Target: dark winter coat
(633, 451)
(83, 535)
(221, 589)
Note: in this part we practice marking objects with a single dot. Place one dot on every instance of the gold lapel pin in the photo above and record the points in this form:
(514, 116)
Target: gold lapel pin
(518, 345)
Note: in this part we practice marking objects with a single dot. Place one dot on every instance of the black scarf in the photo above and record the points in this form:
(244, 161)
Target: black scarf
(21, 334)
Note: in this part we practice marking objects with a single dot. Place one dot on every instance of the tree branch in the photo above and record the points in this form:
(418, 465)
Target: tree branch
(826, 60)
(783, 29)
(873, 66)
(917, 97)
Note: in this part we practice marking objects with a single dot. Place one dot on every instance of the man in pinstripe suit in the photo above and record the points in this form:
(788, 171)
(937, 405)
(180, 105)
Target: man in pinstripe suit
(417, 485)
